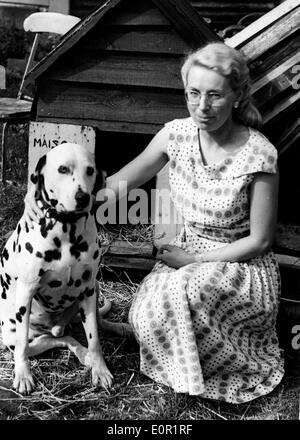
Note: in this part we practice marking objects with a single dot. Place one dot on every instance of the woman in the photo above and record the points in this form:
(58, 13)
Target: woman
(205, 316)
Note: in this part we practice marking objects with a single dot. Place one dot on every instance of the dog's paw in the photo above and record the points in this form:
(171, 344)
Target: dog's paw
(23, 381)
(101, 376)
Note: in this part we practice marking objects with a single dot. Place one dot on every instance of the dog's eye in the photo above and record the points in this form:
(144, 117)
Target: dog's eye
(63, 170)
(90, 171)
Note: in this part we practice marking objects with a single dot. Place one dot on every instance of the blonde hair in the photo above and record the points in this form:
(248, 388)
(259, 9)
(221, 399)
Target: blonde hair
(232, 64)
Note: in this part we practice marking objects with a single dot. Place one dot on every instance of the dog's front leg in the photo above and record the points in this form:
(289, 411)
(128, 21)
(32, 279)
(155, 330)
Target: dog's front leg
(100, 373)
(23, 380)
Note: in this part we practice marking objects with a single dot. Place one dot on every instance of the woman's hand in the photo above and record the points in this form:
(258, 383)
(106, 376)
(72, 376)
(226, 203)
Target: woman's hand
(32, 213)
(174, 256)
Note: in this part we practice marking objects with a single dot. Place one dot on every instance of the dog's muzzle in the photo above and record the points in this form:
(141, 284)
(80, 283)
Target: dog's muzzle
(82, 199)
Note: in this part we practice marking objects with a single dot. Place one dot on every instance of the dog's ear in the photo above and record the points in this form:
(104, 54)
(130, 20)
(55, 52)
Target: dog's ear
(37, 178)
(100, 181)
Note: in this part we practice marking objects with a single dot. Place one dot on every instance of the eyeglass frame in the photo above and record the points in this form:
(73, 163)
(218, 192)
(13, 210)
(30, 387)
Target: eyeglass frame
(207, 95)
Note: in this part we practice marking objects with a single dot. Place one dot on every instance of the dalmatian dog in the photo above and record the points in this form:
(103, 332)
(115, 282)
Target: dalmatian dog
(48, 272)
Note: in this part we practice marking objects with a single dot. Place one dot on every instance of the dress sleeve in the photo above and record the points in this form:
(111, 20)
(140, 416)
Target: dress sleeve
(261, 157)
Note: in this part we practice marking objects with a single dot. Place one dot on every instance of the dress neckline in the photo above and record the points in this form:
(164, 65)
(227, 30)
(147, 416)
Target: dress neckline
(230, 157)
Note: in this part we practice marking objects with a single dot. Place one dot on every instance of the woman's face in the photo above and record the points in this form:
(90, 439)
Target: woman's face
(209, 98)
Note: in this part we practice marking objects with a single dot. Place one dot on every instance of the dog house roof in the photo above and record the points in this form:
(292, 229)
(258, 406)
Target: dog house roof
(183, 17)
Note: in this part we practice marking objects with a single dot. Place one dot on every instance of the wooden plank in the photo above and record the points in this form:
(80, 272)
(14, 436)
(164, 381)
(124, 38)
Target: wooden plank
(107, 126)
(272, 36)
(289, 137)
(128, 263)
(115, 68)
(61, 100)
(288, 261)
(264, 22)
(132, 249)
(40, 3)
(136, 13)
(116, 39)
(282, 85)
(235, 6)
(277, 72)
(280, 107)
(187, 22)
(275, 56)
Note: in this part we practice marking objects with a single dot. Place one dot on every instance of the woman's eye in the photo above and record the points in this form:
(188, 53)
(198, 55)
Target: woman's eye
(63, 170)
(90, 171)
(215, 96)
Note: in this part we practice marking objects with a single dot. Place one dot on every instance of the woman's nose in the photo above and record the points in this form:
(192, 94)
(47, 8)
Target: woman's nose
(204, 102)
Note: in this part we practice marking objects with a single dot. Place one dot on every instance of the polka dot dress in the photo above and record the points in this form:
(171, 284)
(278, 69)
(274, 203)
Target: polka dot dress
(208, 328)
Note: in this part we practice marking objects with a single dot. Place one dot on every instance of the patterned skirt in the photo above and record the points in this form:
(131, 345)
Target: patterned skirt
(208, 328)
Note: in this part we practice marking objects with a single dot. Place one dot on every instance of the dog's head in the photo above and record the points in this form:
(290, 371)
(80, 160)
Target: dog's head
(66, 178)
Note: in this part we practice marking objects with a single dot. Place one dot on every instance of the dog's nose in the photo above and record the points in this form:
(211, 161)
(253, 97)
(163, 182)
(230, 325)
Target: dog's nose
(82, 199)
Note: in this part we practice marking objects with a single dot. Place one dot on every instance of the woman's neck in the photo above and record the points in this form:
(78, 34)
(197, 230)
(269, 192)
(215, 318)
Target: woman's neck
(221, 136)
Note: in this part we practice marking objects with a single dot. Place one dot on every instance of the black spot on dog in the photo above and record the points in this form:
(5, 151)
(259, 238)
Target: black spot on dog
(54, 283)
(18, 229)
(8, 278)
(96, 255)
(12, 347)
(65, 227)
(82, 314)
(5, 254)
(26, 227)
(34, 178)
(39, 254)
(41, 272)
(81, 296)
(78, 247)
(12, 321)
(77, 283)
(14, 246)
(20, 313)
(72, 237)
(13, 330)
(86, 275)
(29, 247)
(30, 340)
(90, 335)
(3, 294)
(70, 282)
(19, 248)
(61, 302)
(57, 241)
(52, 255)
(53, 202)
(90, 292)
(44, 231)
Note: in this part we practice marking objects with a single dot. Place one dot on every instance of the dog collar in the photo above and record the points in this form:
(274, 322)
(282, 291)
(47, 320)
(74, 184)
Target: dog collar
(63, 217)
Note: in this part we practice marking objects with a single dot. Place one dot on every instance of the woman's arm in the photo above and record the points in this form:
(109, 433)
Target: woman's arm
(263, 216)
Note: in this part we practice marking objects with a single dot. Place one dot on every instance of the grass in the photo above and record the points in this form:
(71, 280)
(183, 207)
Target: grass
(64, 390)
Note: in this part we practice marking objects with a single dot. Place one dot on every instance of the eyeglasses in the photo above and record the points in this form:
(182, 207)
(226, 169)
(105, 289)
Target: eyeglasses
(213, 98)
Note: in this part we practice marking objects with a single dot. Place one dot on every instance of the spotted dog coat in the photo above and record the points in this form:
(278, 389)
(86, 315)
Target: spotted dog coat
(48, 272)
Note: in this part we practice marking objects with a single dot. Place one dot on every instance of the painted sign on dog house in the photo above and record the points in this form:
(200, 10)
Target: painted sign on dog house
(43, 136)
